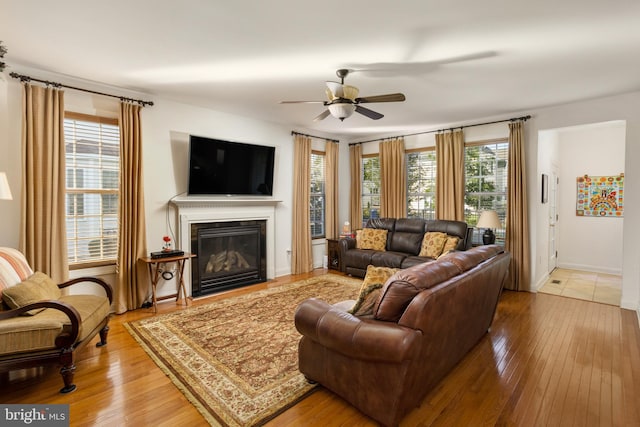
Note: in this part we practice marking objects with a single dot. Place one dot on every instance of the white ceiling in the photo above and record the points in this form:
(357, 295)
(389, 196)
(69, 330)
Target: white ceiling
(455, 60)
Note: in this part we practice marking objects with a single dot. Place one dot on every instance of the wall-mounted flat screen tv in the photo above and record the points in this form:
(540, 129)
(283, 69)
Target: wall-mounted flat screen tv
(218, 167)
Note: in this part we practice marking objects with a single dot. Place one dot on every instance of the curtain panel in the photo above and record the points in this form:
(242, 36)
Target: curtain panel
(331, 189)
(517, 227)
(301, 255)
(450, 178)
(355, 202)
(393, 179)
(43, 238)
(132, 285)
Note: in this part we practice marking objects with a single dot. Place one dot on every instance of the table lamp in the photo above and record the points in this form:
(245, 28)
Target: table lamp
(489, 220)
(5, 190)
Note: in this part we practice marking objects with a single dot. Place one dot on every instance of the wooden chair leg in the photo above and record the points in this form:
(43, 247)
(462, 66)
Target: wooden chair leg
(67, 372)
(103, 336)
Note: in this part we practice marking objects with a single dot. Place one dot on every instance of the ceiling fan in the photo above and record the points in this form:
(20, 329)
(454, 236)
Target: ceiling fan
(343, 100)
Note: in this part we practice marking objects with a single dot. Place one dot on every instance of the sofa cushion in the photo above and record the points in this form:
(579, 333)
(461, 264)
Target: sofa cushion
(37, 287)
(371, 238)
(402, 241)
(32, 333)
(357, 258)
(432, 244)
(399, 290)
(373, 281)
(410, 261)
(388, 259)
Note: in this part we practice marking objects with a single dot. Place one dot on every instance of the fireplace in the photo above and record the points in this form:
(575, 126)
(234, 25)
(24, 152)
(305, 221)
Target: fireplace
(194, 210)
(230, 254)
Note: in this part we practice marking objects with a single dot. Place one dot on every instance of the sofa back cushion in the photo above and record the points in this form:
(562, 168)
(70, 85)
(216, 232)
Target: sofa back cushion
(14, 268)
(404, 285)
(452, 228)
(388, 224)
(407, 236)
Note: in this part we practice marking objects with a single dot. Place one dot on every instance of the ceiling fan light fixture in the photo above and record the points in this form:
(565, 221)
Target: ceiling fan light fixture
(341, 110)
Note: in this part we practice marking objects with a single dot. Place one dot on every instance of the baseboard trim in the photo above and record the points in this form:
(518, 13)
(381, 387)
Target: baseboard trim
(590, 268)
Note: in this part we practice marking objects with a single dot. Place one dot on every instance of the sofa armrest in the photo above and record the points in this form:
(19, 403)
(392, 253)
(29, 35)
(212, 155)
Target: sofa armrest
(364, 339)
(102, 283)
(65, 339)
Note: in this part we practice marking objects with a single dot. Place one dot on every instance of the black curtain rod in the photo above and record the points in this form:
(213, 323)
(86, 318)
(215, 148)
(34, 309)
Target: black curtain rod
(293, 132)
(26, 79)
(514, 119)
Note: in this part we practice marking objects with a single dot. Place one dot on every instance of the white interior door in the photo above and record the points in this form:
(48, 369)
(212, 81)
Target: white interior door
(553, 220)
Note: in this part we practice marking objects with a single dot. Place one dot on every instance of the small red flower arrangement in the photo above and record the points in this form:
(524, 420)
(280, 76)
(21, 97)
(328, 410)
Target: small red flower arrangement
(167, 243)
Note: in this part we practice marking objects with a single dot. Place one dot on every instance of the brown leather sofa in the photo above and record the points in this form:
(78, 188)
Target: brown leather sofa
(424, 322)
(404, 239)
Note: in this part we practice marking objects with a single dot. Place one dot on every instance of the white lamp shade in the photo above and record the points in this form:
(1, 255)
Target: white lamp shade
(341, 110)
(5, 191)
(489, 219)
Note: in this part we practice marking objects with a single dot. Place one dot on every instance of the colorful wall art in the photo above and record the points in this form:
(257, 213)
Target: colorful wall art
(601, 196)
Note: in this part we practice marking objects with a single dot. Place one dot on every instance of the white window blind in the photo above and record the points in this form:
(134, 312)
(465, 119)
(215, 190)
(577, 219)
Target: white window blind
(370, 188)
(421, 184)
(486, 183)
(92, 147)
(317, 195)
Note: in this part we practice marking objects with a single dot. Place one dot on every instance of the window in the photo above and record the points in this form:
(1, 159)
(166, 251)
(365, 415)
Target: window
(370, 187)
(92, 147)
(317, 199)
(486, 183)
(421, 184)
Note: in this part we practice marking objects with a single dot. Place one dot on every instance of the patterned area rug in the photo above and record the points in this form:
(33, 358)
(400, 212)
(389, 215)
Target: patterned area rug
(236, 360)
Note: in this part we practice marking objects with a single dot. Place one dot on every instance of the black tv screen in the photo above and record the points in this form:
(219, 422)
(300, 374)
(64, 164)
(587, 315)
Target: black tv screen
(218, 167)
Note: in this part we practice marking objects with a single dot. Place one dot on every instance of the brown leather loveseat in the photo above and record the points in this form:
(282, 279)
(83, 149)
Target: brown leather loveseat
(424, 322)
(402, 248)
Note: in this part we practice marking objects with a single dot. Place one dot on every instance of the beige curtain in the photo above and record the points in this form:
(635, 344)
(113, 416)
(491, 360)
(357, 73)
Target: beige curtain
(43, 237)
(393, 179)
(450, 178)
(355, 205)
(301, 256)
(133, 278)
(517, 233)
(332, 230)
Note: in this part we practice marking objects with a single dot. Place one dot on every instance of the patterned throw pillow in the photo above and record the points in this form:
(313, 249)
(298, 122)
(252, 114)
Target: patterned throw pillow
(371, 238)
(370, 289)
(450, 244)
(432, 244)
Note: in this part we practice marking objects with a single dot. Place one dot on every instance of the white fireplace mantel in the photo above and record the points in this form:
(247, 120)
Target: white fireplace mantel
(203, 209)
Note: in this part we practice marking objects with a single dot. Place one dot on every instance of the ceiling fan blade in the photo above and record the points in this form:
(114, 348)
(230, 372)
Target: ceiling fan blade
(391, 97)
(301, 102)
(382, 69)
(322, 115)
(369, 113)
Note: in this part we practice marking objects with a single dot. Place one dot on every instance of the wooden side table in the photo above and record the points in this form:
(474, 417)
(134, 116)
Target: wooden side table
(333, 252)
(157, 266)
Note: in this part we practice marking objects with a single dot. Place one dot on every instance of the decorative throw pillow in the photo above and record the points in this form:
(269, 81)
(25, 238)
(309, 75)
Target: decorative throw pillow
(370, 289)
(432, 244)
(37, 287)
(371, 238)
(450, 244)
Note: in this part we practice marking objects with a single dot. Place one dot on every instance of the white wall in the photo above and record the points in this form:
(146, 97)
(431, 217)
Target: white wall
(166, 127)
(589, 243)
(621, 107)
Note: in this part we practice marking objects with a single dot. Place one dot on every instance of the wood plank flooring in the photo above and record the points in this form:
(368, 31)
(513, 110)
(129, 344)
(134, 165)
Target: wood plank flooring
(547, 360)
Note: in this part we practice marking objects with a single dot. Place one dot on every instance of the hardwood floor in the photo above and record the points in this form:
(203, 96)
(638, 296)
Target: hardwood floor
(547, 360)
